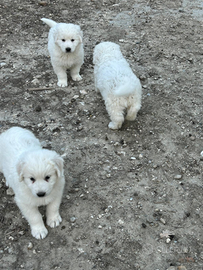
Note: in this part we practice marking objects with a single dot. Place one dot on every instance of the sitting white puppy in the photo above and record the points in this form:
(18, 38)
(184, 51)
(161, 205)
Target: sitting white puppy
(119, 87)
(35, 175)
(66, 50)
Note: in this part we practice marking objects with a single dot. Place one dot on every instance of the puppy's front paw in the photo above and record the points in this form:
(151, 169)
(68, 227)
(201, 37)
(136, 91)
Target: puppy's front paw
(39, 232)
(62, 83)
(54, 221)
(77, 78)
(113, 125)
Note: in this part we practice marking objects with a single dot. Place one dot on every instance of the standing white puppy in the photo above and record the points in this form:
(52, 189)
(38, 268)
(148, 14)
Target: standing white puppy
(66, 50)
(35, 175)
(119, 87)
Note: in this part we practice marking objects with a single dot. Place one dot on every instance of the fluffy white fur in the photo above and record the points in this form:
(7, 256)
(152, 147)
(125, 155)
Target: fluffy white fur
(119, 87)
(66, 50)
(35, 175)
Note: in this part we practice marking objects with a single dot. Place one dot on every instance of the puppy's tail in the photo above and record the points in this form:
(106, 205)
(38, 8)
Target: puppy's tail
(50, 23)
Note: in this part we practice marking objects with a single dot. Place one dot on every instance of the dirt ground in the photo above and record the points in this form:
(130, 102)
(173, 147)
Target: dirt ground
(133, 197)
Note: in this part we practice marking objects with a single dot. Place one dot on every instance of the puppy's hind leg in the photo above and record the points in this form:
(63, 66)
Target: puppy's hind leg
(116, 116)
(132, 111)
(74, 72)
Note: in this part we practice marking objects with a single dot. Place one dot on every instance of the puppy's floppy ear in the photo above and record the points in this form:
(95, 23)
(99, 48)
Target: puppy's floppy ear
(80, 33)
(80, 36)
(58, 163)
(19, 168)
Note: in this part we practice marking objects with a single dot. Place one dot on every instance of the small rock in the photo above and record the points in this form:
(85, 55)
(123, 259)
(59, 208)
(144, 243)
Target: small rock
(172, 268)
(116, 144)
(65, 12)
(83, 92)
(10, 250)
(192, 138)
(140, 156)
(30, 245)
(185, 250)
(72, 219)
(10, 192)
(42, 3)
(201, 155)
(181, 267)
(2, 64)
(79, 128)
(38, 108)
(162, 220)
(178, 177)
(35, 81)
(168, 240)
(121, 222)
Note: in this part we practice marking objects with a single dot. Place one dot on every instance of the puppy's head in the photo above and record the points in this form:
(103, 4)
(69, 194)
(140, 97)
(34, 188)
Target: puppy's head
(105, 51)
(68, 37)
(40, 170)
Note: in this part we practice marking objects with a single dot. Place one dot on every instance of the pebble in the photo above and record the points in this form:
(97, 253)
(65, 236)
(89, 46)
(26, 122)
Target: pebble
(162, 220)
(83, 92)
(201, 156)
(168, 240)
(42, 3)
(178, 177)
(181, 267)
(10, 192)
(2, 64)
(38, 108)
(35, 81)
(192, 138)
(172, 268)
(30, 245)
(121, 222)
(73, 219)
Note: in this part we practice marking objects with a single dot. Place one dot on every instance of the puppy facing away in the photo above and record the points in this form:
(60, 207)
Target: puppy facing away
(118, 85)
(66, 50)
(35, 175)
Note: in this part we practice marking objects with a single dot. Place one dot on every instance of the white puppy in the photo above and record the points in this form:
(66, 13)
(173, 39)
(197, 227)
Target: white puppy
(65, 49)
(119, 87)
(35, 175)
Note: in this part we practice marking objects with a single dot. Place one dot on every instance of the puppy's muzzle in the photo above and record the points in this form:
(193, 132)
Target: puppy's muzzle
(68, 49)
(41, 194)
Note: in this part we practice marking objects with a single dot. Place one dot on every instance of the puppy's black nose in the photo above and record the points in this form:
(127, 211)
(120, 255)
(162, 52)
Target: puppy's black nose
(41, 194)
(68, 49)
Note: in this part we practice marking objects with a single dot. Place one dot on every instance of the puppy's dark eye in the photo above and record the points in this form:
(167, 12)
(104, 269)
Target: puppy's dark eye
(32, 179)
(72, 40)
(47, 178)
(63, 40)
